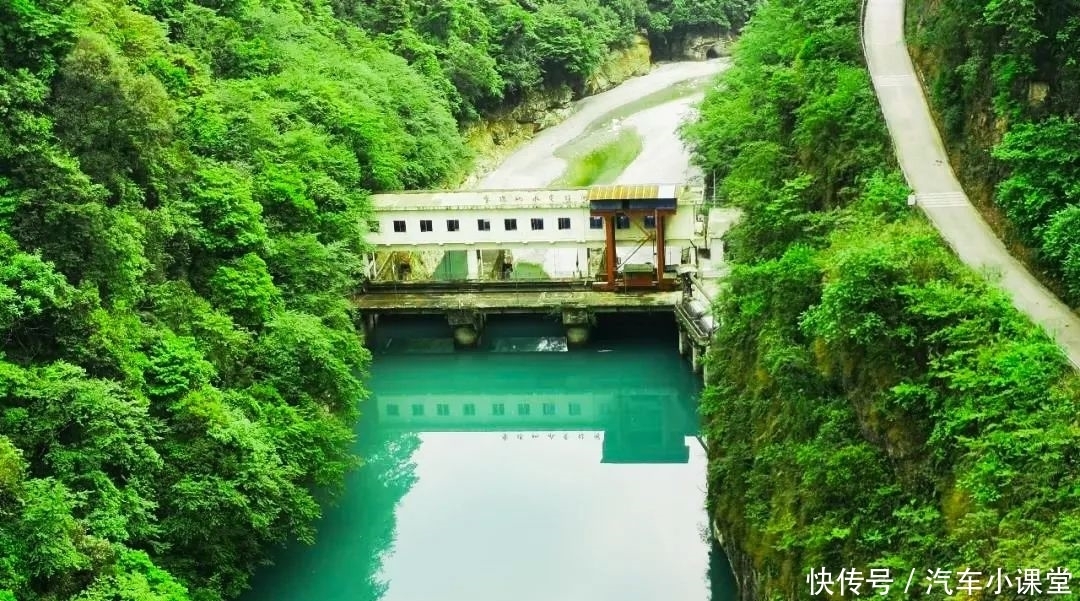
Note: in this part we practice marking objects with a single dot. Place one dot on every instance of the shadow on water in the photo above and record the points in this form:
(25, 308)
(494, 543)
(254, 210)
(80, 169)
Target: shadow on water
(366, 527)
(555, 406)
(722, 585)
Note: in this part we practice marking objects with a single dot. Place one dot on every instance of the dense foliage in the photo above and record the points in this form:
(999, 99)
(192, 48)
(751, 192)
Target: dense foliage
(183, 200)
(481, 53)
(873, 403)
(179, 369)
(671, 22)
(1004, 80)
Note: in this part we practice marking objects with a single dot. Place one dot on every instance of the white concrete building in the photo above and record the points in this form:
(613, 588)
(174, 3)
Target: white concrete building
(513, 219)
(556, 229)
(638, 236)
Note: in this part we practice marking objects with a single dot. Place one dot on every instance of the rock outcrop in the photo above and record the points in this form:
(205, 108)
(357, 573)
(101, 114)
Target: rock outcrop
(747, 579)
(621, 65)
(494, 138)
(696, 47)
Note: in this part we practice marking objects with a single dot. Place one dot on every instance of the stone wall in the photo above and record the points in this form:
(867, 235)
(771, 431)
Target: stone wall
(494, 138)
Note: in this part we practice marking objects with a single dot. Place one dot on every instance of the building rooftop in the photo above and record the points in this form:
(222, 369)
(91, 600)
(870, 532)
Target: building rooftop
(634, 192)
(538, 198)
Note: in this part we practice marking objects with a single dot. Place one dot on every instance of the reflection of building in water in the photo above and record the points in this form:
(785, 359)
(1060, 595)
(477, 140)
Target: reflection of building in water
(645, 431)
(645, 426)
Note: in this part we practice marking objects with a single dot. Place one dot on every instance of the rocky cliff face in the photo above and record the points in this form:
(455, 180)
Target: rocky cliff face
(698, 46)
(747, 579)
(494, 138)
(693, 45)
(497, 136)
(621, 65)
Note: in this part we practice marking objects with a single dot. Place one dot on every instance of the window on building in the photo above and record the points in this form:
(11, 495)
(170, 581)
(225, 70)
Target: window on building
(510, 224)
(622, 222)
(650, 221)
(425, 225)
(523, 408)
(392, 410)
(399, 225)
(452, 225)
(575, 409)
(374, 226)
(537, 224)
(549, 408)
(442, 409)
(498, 409)
(564, 223)
(417, 410)
(483, 225)
(469, 409)
(596, 223)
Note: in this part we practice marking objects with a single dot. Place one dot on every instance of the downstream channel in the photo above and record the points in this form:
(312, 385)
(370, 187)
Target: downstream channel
(534, 474)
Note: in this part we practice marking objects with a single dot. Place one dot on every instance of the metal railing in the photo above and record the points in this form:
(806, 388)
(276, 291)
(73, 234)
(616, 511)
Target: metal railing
(697, 332)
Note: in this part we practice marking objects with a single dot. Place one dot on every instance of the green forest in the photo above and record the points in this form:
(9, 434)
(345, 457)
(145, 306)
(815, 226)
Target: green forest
(183, 205)
(183, 198)
(1003, 79)
(874, 403)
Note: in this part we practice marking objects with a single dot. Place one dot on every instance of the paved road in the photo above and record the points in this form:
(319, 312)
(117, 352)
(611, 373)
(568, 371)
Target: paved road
(926, 167)
(664, 157)
(535, 165)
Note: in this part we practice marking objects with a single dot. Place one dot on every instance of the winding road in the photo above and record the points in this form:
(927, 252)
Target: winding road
(926, 167)
(663, 156)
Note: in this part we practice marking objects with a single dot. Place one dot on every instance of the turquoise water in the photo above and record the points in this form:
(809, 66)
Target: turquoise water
(509, 475)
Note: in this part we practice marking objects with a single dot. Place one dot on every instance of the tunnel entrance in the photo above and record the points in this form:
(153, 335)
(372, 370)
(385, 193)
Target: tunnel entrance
(712, 52)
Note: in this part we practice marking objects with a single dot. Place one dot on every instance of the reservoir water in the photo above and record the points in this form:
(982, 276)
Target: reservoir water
(518, 472)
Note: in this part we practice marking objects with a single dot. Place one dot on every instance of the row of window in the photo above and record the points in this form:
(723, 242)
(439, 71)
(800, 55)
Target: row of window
(443, 409)
(622, 222)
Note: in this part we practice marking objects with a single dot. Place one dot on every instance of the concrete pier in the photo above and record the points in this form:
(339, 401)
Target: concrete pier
(578, 322)
(467, 305)
(467, 325)
(370, 322)
(466, 336)
(696, 322)
(696, 355)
